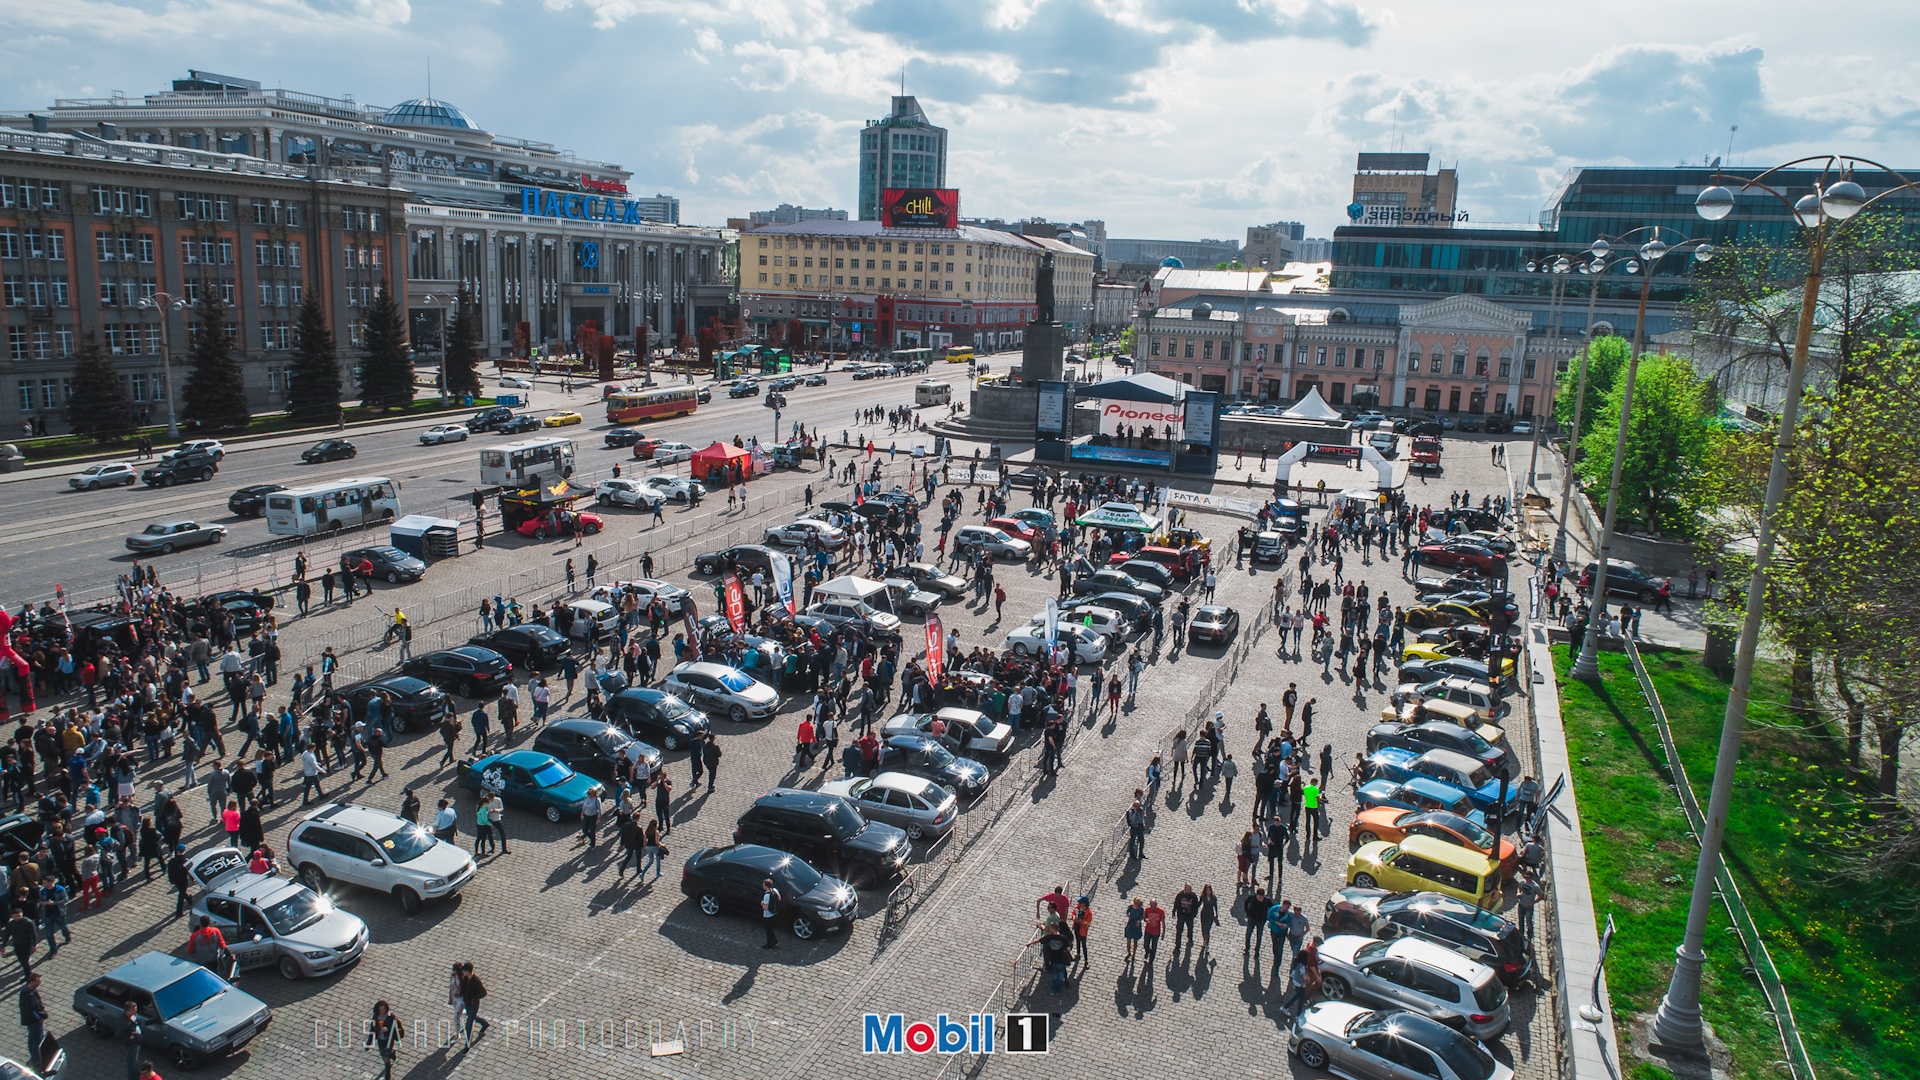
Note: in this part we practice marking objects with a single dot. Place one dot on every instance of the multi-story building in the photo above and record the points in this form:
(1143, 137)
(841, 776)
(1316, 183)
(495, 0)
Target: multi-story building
(1195, 253)
(900, 150)
(863, 285)
(1114, 305)
(1273, 245)
(1397, 189)
(89, 229)
(789, 214)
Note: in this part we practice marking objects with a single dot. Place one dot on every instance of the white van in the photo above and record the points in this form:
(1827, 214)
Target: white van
(932, 392)
(592, 619)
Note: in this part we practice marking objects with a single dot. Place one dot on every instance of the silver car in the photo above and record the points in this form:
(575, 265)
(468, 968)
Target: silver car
(994, 542)
(722, 689)
(1418, 976)
(166, 537)
(187, 1014)
(922, 807)
(983, 734)
(271, 921)
(377, 850)
(1353, 1041)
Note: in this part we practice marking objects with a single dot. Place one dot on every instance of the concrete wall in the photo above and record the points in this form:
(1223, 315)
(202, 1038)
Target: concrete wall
(1274, 435)
(1662, 558)
(1006, 404)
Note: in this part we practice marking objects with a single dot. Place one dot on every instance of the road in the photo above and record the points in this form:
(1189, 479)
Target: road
(77, 538)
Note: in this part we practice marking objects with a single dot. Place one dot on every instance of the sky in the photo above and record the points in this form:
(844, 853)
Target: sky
(1173, 119)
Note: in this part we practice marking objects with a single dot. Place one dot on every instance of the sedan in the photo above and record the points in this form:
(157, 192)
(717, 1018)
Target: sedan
(532, 781)
(412, 704)
(251, 501)
(1523, 427)
(167, 536)
(620, 491)
(925, 757)
(622, 436)
(933, 579)
(1449, 667)
(1034, 515)
(719, 878)
(441, 434)
(1475, 933)
(1394, 825)
(190, 1015)
(1353, 1041)
(962, 730)
(1456, 553)
(596, 748)
(515, 382)
(389, 563)
(467, 670)
(1213, 622)
(563, 419)
(722, 689)
(1117, 581)
(669, 452)
(990, 540)
(520, 422)
(1440, 736)
(328, 450)
(1269, 545)
(815, 379)
(921, 807)
(1149, 571)
(657, 716)
(1497, 542)
(529, 645)
(95, 477)
(797, 535)
(677, 488)
(1090, 646)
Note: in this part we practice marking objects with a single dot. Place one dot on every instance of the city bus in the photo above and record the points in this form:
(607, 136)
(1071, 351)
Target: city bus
(652, 403)
(932, 392)
(959, 354)
(522, 464)
(903, 357)
(336, 504)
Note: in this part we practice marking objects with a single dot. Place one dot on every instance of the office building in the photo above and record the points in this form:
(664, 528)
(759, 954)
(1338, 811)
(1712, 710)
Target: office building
(789, 214)
(1273, 245)
(901, 150)
(1397, 189)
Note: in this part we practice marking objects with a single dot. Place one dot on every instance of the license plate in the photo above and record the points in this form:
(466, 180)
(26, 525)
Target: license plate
(246, 1034)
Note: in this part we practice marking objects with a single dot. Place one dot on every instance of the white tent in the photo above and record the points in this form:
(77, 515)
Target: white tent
(1312, 407)
(1119, 515)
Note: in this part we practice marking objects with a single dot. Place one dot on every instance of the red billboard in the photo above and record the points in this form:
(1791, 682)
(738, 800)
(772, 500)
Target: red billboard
(736, 604)
(921, 208)
(936, 650)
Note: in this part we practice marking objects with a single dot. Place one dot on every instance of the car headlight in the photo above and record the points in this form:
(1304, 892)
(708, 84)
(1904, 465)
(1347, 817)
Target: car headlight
(434, 883)
(317, 954)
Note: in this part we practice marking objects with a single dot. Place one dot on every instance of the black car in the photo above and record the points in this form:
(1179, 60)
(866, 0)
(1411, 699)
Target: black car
(922, 756)
(20, 834)
(92, 630)
(622, 436)
(180, 467)
(744, 389)
(412, 704)
(595, 747)
(1147, 570)
(1448, 667)
(328, 450)
(1626, 579)
(520, 423)
(1497, 424)
(529, 645)
(705, 394)
(1475, 933)
(467, 670)
(1441, 735)
(827, 831)
(1469, 423)
(489, 418)
(741, 558)
(1471, 518)
(390, 564)
(719, 878)
(657, 716)
(251, 501)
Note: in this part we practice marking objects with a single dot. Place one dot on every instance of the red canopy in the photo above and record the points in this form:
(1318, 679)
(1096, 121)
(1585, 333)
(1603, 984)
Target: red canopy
(722, 458)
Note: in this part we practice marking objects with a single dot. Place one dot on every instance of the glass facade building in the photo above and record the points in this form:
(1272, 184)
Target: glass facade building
(903, 150)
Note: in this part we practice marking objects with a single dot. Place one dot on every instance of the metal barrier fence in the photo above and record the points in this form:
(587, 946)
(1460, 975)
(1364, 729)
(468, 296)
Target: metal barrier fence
(1797, 1061)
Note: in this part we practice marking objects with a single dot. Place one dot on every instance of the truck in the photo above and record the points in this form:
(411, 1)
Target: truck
(1425, 453)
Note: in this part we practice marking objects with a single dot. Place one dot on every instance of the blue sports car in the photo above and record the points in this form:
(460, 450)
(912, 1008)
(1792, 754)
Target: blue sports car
(532, 781)
(1419, 793)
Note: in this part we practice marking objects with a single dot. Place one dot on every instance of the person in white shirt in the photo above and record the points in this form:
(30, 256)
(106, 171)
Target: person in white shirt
(310, 773)
(541, 696)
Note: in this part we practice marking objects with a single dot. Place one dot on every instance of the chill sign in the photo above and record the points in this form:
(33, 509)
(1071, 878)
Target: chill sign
(1139, 415)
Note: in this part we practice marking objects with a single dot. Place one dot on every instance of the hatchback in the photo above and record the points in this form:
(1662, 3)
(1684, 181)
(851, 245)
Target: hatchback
(824, 829)
(722, 689)
(657, 716)
(1474, 933)
(1353, 1041)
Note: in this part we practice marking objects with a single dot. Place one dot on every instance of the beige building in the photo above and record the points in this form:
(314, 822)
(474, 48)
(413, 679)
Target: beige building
(1397, 189)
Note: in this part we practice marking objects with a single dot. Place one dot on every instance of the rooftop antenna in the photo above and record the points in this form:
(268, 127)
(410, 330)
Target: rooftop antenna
(429, 78)
(1730, 133)
(903, 80)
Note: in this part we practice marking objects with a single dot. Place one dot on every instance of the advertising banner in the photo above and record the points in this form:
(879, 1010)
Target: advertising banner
(1121, 454)
(1139, 415)
(1053, 624)
(936, 649)
(1330, 452)
(1053, 409)
(1199, 407)
(925, 208)
(783, 580)
(690, 618)
(736, 603)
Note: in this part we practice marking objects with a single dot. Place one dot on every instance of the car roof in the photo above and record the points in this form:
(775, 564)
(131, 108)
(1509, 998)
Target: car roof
(1454, 759)
(708, 667)
(174, 521)
(1439, 956)
(797, 799)
(153, 970)
(399, 684)
(907, 782)
(755, 855)
(367, 819)
(578, 723)
(1212, 609)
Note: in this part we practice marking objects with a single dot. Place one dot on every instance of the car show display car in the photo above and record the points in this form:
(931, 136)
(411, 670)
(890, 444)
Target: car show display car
(272, 921)
(657, 716)
(531, 780)
(597, 748)
(377, 850)
(1475, 933)
(533, 646)
(409, 703)
(188, 1015)
(562, 419)
(719, 879)
(1213, 623)
(824, 829)
(388, 563)
(467, 670)
(718, 688)
(623, 491)
(1353, 1041)
(920, 807)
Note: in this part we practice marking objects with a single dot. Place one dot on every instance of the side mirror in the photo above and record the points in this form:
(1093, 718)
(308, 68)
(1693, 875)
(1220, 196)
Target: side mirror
(256, 937)
(379, 862)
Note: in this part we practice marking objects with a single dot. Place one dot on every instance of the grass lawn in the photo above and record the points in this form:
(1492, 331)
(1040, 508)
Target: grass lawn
(55, 447)
(1851, 977)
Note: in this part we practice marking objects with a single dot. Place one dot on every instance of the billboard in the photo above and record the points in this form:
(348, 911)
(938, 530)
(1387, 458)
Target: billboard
(1139, 415)
(1199, 409)
(1052, 420)
(924, 208)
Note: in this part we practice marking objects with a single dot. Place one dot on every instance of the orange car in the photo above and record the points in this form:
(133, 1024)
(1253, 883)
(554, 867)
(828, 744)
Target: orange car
(1393, 824)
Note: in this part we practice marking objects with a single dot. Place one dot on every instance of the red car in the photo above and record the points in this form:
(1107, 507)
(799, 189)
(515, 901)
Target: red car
(561, 523)
(643, 450)
(1014, 527)
(1458, 554)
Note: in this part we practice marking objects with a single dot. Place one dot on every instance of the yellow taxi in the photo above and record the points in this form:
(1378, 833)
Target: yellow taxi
(563, 419)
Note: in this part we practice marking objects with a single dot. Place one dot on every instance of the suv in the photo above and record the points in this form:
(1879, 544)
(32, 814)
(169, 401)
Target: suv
(179, 467)
(1472, 932)
(1626, 579)
(377, 850)
(826, 831)
(489, 419)
(745, 558)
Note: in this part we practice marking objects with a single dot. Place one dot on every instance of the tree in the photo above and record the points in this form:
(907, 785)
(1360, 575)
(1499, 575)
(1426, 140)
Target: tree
(1125, 341)
(98, 408)
(1668, 475)
(1606, 359)
(313, 383)
(215, 397)
(386, 372)
(463, 347)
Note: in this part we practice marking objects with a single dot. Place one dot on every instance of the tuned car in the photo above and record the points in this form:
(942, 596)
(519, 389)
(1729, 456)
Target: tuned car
(95, 477)
(1269, 545)
(797, 534)
(1456, 553)
(1447, 667)
(962, 730)
(1499, 543)
(1353, 1041)
(166, 537)
(188, 1014)
(1393, 825)
(1484, 605)
(328, 450)
(657, 716)
(389, 563)
(842, 611)
(563, 419)
(251, 501)
(922, 756)
(531, 780)
(722, 689)
(675, 598)
(742, 558)
(1090, 646)
(994, 542)
(621, 491)
(1213, 622)
(1475, 933)
(731, 877)
(596, 748)
(1462, 581)
(271, 921)
(677, 488)
(441, 434)
(412, 704)
(1441, 613)
(1440, 736)
(1037, 516)
(520, 422)
(529, 645)
(467, 670)
(568, 521)
(1024, 530)
(1414, 793)
(1111, 580)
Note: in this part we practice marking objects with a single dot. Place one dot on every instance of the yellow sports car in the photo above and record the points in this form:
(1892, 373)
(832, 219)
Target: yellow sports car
(563, 419)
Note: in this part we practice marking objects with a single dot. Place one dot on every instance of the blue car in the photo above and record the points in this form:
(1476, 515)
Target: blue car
(1419, 793)
(1397, 764)
(532, 781)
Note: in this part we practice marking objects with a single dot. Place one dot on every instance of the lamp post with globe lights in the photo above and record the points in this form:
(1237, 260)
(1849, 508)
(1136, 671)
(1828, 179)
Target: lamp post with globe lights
(1651, 249)
(1559, 268)
(164, 303)
(1835, 199)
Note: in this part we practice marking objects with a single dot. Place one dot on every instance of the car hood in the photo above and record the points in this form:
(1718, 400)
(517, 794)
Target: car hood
(442, 860)
(1376, 791)
(219, 1015)
(880, 839)
(337, 931)
(831, 895)
(1331, 1018)
(1341, 947)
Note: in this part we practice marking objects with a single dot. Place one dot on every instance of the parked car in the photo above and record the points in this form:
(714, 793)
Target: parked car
(723, 689)
(924, 757)
(272, 921)
(1412, 792)
(622, 491)
(994, 542)
(390, 564)
(915, 804)
(677, 488)
(1213, 622)
(645, 590)
(188, 1014)
(1457, 553)
(1444, 667)
(1440, 736)
(1419, 976)
(562, 523)
(731, 877)
(166, 537)
(1394, 825)
(1090, 646)
(657, 716)
(964, 731)
(742, 558)
(328, 450)
(1358, 1043)
(251, 501)
(378, 850)
(467, 670)
(1424, 863)
(1117, 581)
(668, 453)
(840, 611)
(413, 704)
(825, 830)
(597, 748)
(796, 534)
(1474, 933)
(530, 645)
(441, 434)
(933, 579)
(531, 780)
(1625, 579)
(1269, 545)
(111, 474)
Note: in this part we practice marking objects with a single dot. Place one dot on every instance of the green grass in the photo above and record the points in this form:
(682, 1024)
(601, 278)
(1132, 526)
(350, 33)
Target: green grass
(55, 447)
(1851, 978)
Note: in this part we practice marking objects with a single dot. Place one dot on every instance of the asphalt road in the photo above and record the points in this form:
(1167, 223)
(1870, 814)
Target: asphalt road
(77, 538)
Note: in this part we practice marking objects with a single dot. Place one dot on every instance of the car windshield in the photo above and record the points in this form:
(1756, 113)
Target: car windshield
(156, 530)
(1372, 950)
(186, 992)
(613, 742)
(1367, 1023)
(407, 843)
(842, 820)
(1476, 743)
(1467, 1059)
(672, 708)
(551, 774)
(1473, 833)
(300, 910)
(794, 878)
(736, 682)
(936, 755)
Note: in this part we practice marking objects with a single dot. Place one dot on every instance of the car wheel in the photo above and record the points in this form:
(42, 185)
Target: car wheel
(604, 501)
(1648, 596)
(803, 927)
(671, 742)
(1335, 987)
(1312, 1054)
(553, 814)
(465, 689)
(1366, 837)
(1019, 648)
(93, 485)
(914, 831)
(709, 904)
(737, 714)
(1364, 881)
(313, 877)
(592, 529)
(393, 577)
(289, 968)
(166, 549)
(183, 1056)
(409, 900)
(351, 453)
(97, 1027)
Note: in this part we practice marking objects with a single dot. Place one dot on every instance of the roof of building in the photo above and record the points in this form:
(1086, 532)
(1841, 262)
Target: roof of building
(428, 112)
(1236, 281)
(972, 234)
(79, 148)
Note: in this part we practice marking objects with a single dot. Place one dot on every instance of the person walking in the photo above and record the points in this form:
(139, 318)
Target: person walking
(655, 850)
(1186, 906)
(1254, 909)
(1153, 922)
(1136, 818)
(384, 1035)
(1209, 912)
(1279, 925)
(472, 991)
(769, 911)
(710, 754)
(33, 1017)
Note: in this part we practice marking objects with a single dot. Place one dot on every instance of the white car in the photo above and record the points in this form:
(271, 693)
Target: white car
(1104, 621)
(840, 611)
(211, 446)
(515, 382)
(1032, 640)
(722, 689)
(669, 452)
(678, 488)
(621, 491)
(796, 534)
(95, 477)
(984, 735)
(991, 540)
(443, 433)
(377, 850)
(673, 596)
(593, 619)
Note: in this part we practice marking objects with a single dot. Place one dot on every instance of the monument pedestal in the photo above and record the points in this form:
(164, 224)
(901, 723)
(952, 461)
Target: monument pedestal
(1043, 352)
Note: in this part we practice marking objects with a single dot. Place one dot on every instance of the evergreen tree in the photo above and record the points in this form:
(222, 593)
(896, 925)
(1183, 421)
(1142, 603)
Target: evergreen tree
(463, 348)
(386, 373)
(313, 392)
(215, 397)
(98, 407)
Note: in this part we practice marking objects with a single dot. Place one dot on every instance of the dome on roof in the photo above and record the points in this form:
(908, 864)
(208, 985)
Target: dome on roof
(1203, 311)
(1173, 262)
(428, 112)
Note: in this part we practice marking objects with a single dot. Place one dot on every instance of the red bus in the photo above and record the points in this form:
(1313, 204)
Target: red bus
(656, 403)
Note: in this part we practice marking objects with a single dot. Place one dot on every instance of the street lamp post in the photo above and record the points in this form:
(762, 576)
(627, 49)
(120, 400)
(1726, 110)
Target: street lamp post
(1651, 251)
(424, 319)
(163, 303)
(1559, 268)
(1834, 199)
(1595, 268)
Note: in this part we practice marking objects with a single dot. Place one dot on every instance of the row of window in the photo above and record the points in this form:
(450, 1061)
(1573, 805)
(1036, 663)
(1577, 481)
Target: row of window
(841, 264)
(1183, 349)
(27, 193)
(33, 244)
(280, 294)
(128, 292)
(109, 200)
(202, 206)
(40, 292)
(206, 252)
(39, 343)
(794, 243)
(267, 253)
(806, 280)
(123, 247)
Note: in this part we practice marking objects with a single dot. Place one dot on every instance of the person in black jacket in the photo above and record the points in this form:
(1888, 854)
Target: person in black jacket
(24, 935)
(178, 877)
(33, 1017)
(1255, 909)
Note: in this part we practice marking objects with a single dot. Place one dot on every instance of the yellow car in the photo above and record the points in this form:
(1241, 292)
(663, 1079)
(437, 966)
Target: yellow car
(1422, 863)
(563, 419)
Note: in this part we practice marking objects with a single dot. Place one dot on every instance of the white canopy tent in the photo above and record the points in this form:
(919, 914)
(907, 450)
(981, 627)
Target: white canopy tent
(1312, 407)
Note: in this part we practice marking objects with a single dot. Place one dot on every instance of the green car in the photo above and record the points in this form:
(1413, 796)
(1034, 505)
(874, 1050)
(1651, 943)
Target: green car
(531, 780)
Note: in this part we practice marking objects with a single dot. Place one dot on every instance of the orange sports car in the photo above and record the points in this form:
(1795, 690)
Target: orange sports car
(1393, 824)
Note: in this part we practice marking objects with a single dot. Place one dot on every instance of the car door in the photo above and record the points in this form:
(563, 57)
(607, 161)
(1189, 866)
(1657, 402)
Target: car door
(328, 851)
(1383, 982)
(361, 863)
(254, 944)
(875, 806)
(906, 809)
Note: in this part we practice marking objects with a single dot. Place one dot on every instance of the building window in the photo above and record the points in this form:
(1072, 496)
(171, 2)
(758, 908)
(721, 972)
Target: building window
(1320, 356)
(1156, 347)
(1340, 358)
(1379, 359)
(1526, 405)
(1506, 365)
(1206, 349)
(1434, 366)
(1526, 369)
(1480, 364)
(1460, 364)
(1189, 350)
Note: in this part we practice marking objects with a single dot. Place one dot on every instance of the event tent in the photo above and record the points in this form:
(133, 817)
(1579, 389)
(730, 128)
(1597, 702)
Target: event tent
(1312, 407)
(1119, 515)
(1145, 386)
(721, 458)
